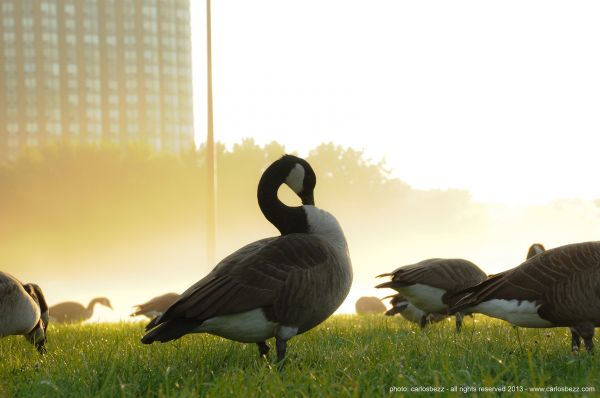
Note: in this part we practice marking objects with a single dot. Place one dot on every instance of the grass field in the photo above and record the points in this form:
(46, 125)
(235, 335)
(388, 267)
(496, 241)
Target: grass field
(346, 356)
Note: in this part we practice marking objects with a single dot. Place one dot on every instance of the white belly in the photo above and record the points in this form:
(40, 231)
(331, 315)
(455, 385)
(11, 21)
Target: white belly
(246, 327)
(519, 313)
(425, 298)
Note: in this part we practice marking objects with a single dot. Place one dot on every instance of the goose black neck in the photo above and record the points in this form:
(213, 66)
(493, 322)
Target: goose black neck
(286, 219)
(92, 304)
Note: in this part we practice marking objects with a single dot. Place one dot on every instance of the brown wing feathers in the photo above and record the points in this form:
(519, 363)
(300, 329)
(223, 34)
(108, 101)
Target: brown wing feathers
(252, 280)
(447, 274)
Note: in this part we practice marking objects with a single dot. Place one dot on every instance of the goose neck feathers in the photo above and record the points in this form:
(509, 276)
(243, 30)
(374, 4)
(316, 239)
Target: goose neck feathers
(300, 177)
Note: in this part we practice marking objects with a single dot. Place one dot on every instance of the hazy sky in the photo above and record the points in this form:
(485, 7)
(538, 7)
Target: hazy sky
(500, 98)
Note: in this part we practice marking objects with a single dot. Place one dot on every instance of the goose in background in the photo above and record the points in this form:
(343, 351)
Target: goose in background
(369, 305)
(70, 311)
(400, 305)
(430, 284)
(23, 311)
(558, 287)
(534, 249)
(275, 287)
(155, 306)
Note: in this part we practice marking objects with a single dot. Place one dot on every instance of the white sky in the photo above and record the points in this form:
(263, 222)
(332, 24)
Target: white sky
(500, 98)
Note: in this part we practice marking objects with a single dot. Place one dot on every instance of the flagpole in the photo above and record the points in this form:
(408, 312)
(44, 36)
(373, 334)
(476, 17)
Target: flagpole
(211, 190)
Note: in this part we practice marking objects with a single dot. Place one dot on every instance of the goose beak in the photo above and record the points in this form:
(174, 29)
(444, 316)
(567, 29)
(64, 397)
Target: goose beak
(307, 198)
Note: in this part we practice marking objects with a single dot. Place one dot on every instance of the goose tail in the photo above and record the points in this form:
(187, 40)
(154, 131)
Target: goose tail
(389, 284)
(168, 331)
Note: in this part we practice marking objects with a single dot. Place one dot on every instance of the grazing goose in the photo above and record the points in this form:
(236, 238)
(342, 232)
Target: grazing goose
(534, 249)
(559, 287)
(429, 284)
(369, 305)
(70, 311)
(400, 305)
(275, 287)
(23, 310)
(155, 306)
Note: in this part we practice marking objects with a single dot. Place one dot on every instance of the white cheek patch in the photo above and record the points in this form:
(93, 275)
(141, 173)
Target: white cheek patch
(295, 180)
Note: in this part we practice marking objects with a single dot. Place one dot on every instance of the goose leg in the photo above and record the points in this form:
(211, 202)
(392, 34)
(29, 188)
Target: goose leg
(423, 322)
(575, 341)
(459, 319)
(282, 335)
(281, 348)
(586, 332)
(263, 349)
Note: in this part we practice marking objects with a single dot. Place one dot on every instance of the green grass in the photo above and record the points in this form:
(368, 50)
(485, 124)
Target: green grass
(346, 356)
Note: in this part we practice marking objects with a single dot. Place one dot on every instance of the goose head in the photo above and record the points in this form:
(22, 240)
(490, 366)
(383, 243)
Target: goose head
(299, 176)
(398, 303)
(104, 301)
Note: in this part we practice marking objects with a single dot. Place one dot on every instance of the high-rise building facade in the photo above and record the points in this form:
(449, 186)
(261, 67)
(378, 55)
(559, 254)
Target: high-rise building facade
(95, 71)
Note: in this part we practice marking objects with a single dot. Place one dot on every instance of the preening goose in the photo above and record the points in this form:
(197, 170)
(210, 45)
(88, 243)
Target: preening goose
(23, 310)
(429, 284)
(559, 287)
(70, 311)
(275, 287)
(369, 305)
(155, 306)
(400, 305)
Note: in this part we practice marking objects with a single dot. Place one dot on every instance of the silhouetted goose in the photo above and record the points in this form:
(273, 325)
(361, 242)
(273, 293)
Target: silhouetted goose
(275, 287)
(534, 249)
(559, 287)
(71, 311)
(400, 305)
(429, 284)
(369, 305)
(23, 310)
(155, 306)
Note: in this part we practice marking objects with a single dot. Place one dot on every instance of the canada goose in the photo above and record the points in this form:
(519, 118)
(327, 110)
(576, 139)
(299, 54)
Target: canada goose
(70, 311)
(429, 284)
(534, 249)
(369, 305)
(400, 305)
(23, 310)
(155, 306)
(559, 287)
(275, 287)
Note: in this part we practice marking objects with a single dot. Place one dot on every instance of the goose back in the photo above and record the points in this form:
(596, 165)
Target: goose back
(155, 306)
(563, 283)
(449, 275)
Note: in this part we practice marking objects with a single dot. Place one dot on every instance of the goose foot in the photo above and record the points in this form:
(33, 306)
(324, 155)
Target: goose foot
(263, 349)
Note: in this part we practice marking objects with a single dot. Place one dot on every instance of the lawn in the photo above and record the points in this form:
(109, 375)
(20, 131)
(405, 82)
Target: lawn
(346, 356)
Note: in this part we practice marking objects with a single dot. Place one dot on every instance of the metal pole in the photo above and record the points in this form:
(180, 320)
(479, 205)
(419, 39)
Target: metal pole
(211, 190)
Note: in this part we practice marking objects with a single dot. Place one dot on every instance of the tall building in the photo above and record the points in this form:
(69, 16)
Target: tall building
(95, 71)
